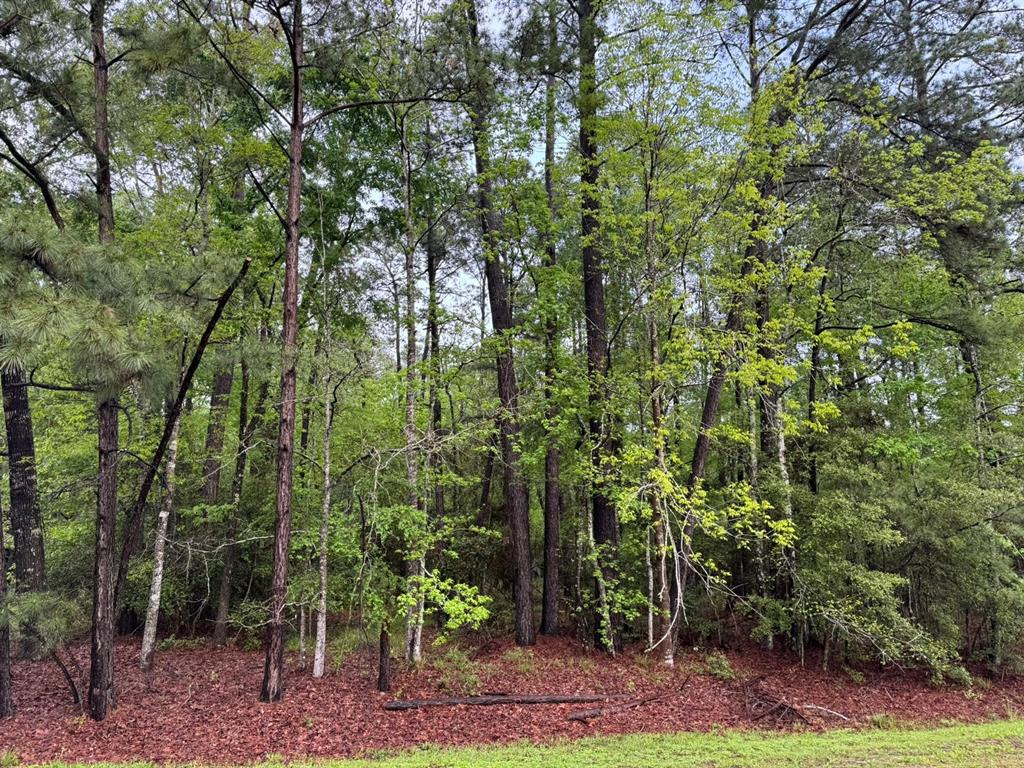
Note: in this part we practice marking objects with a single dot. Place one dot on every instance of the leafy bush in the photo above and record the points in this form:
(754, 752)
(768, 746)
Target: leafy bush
(718, 666)
(43, 622)
(173, 643)
(459, 674)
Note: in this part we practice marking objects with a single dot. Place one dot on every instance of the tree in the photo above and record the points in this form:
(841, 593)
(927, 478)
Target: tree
(603, 447)
(516, 494)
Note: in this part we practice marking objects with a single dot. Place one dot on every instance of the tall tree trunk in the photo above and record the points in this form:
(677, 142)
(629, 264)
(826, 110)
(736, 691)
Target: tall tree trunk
(159, 550)
(552, 485)
(273, 672)
(665, 638)
(26, 518)
(434, 254)
(516, 493)
(604, 516)
(813, 377)
(6, 695)
(101, 671)
(320, 648)
(414, 566)
(215, 434)
(101, 656)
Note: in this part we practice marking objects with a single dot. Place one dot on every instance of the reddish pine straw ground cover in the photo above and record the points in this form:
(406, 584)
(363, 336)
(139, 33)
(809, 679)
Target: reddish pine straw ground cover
(201, 705)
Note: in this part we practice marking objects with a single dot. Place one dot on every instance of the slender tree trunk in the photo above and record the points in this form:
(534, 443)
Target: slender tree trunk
(26, 518)
(273, 672)
(552, 485)
(812, 383)
(665, 639)
(159, 550)
(414, 566)
(516, 492)
(6, 696)
(604, 516)
(434, 254)
(320, 648)
(215, 434)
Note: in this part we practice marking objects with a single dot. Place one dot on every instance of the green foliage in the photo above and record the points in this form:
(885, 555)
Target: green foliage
(43, 622)
(822, 267)
(172, 643)
(718, 666)
(458, 673)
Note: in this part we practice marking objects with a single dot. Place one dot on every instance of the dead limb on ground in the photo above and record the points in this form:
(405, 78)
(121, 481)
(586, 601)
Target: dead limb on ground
(585, 715)
(496, 699)
(762, 704)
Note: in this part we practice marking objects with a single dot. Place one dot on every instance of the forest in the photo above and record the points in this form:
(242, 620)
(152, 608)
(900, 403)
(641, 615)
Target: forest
(653, 327)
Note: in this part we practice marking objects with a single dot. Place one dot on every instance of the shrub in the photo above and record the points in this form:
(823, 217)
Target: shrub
(717, 665)
(459, 674)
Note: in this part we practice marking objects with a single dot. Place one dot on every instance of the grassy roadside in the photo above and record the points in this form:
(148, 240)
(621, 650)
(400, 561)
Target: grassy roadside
(989, 745)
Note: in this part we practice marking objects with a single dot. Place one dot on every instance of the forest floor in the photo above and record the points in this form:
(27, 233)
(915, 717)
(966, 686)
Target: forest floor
(201, 704)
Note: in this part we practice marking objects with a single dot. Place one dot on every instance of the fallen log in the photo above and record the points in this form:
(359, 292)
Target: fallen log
(493, 700)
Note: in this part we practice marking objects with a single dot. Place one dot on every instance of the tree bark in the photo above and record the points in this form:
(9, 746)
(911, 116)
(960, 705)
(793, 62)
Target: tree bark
(384, 659)
(603, 514)
(26, 518)
(101, 657)
(273, 672)
(515, 490)
(159, 550)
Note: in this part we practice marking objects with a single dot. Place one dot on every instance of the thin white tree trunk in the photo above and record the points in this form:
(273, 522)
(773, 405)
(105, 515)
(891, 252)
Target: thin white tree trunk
(320, 648)
(302, 636)
(780, 436)
(159, 550)
(650, 590)
(414, 567)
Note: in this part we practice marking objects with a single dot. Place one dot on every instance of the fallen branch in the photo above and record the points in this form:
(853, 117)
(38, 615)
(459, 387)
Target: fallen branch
(826, 711)
(761, 703)
(583, 715)
(487, 701)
